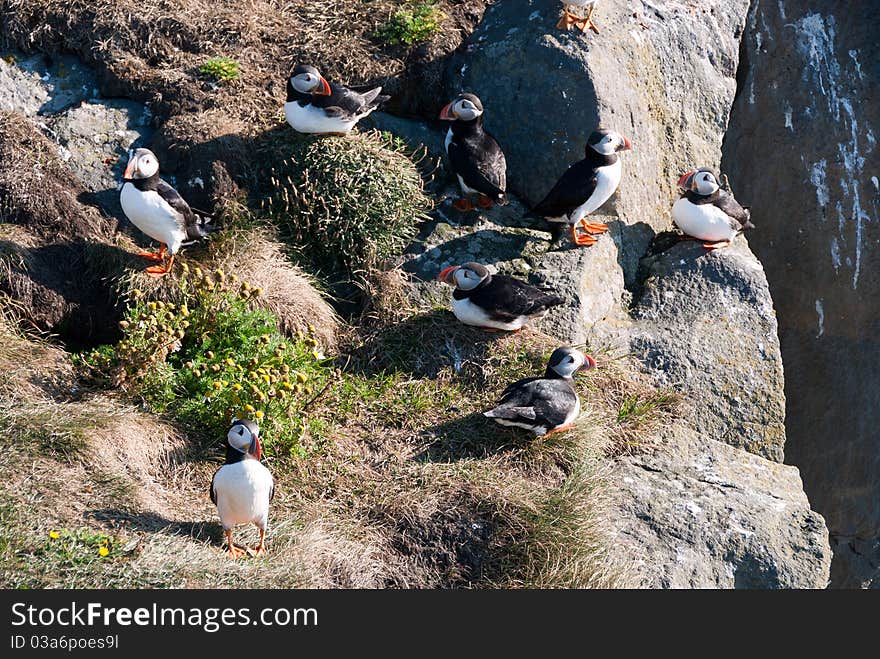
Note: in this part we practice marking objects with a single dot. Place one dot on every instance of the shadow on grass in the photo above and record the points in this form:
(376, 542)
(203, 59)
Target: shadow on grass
(422, 345)
(471, 437)
(153, 523)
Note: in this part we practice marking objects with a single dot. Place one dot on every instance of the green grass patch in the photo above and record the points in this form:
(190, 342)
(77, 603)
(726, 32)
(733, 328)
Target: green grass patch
(412, 24)
(223, 69)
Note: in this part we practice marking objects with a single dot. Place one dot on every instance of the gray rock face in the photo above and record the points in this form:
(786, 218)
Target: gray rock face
(701, 514)
(705, 325)
(94, 134)
(802, 150)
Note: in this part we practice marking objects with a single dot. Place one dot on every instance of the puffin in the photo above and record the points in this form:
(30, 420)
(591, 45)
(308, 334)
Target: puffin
(474, 155)
(586, 185)
(158, 210)
(315, 106)
(548, 404)
(706, 212)
(242, 488)
(495, 302)
(582, 23)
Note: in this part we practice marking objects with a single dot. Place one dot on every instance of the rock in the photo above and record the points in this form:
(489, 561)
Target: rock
(545, 90)
(705, 325)
(802, 151)
(32, 86)
(702, 514)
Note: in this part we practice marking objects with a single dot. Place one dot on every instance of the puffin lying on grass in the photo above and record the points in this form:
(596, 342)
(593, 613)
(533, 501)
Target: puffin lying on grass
(582, 23)
(586, 185)
(706, 212)
(474, 155)
(242, 488)
(315, 106)
(158, 210)
(548, 404)
(495, 302)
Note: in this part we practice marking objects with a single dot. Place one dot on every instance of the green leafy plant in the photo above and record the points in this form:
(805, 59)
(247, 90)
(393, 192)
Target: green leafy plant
(81, 546)
(354, 202)
(212, 357)
(224, 69)
(412, 24)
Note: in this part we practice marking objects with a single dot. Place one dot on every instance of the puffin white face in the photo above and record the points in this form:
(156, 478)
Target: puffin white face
(464, 277)
(607, 142)
(309, 81)
(568, 361)
(142, 164)
(704, 183)
(244, 436)
(466, 107)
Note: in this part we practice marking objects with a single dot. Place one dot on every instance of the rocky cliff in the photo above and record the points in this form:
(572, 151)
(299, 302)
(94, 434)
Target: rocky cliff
(712, 506)
(802, 148)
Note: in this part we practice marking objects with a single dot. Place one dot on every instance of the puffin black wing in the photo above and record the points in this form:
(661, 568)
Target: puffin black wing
(480, 163)
(536, 402)
(212, 493)
(347, 103)
(197, 226)
(732, 209)
(506, 298)
(573, 188)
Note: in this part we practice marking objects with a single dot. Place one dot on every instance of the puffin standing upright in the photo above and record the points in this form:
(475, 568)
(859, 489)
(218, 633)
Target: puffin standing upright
(242, 488)
(315, 106)
(581, 22)
(474, 155)
(586, 185)
(548, 404)
(495, 302)
(706, 212)
(158, 210)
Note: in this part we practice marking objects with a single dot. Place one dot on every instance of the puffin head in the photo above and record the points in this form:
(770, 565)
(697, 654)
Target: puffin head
(141, 164)
(464, 107)
(568, 361)
(243, 436)
(703, 181)
(607, 142)
(465, 277)
(306, 80)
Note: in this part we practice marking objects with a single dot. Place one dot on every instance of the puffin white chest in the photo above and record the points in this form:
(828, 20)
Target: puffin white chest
(243, 490)
(607, 180)
(471, 314)
(151, 214)
(311, 119)
(703, 221)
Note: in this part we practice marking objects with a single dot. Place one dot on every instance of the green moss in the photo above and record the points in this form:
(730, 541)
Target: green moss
(223, 69)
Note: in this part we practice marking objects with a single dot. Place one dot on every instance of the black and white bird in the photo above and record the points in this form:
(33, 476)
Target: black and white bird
(706, 212)
(586, 185)
(157, 209)
(242, 488)
(548, 404)
(570, 19)
(315, 106)
(474, 155)
(495, 302)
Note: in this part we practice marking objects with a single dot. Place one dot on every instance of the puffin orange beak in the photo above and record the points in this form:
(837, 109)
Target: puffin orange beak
(627, 145)
(446, 113)
(256, 448)
(445, 275)
(682, 182)
(324, 89)
(589, 364)
(130, 168)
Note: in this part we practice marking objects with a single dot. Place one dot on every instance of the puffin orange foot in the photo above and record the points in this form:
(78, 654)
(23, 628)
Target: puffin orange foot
(232, 551)
(160, 270)
(463, 205)
(582, 239)
(152, 256)
(259, 550)
(484, 202)
(566, 21)
(594, 227)
(719, 245)
(559, 429)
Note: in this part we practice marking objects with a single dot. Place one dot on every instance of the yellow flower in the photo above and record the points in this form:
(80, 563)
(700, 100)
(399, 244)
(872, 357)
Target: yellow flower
(103, 551)
(236, 387)
(249, 407)
(54, 535)
(230, 361)
(259, 414)
(266, 378)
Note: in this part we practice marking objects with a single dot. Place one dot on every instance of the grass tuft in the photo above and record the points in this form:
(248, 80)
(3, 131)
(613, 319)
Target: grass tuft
(415, 23)
(223, 69)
